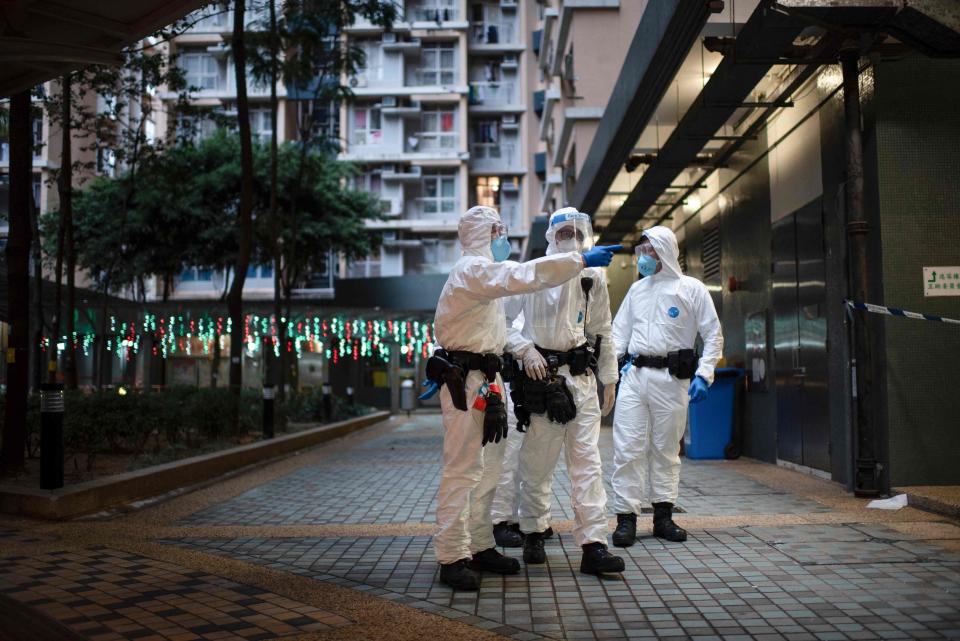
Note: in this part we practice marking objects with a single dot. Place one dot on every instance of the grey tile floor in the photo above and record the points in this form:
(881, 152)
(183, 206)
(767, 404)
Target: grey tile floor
(726, 583)
(394, 479)
(801, 582)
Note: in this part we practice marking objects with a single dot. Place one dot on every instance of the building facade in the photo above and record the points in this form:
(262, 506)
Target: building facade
(743, 132)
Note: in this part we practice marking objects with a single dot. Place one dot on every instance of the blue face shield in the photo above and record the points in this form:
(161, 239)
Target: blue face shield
(500, 247)
(646, 265)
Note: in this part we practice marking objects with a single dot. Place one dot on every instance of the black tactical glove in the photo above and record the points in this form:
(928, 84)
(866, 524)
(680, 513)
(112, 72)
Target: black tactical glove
(560, 406)
(494, 419)
(519, 407)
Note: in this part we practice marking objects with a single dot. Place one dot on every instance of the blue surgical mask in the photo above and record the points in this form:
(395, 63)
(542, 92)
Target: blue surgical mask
(500, 247)
(646, 265)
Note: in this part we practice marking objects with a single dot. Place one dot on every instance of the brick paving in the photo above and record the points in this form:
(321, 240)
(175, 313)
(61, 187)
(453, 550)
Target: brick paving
(784, 562)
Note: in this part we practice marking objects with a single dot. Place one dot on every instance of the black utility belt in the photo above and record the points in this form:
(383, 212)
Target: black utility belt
(682, 363)
(490, 364)
(581, 359)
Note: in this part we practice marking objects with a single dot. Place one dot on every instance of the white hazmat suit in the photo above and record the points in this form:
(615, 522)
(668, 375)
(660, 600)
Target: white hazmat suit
(660, 314)
(504, 506)
(561, 319)
(470, 317)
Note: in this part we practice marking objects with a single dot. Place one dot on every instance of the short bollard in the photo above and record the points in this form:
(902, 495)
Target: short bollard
(327, 402)
(51, 436)
(349, 396)
(268, 395)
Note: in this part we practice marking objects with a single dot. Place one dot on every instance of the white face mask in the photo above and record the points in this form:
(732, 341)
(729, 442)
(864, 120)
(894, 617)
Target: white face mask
(569, 245)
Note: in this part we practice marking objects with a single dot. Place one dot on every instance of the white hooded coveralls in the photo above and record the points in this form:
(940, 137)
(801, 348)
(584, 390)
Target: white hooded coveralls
(470, 317)
(561, 319)
(660, 314)
(504, 506)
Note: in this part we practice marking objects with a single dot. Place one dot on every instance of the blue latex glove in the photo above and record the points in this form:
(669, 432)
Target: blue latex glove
(626, 368)
(601, 255)
(698, 390)
(432, 388)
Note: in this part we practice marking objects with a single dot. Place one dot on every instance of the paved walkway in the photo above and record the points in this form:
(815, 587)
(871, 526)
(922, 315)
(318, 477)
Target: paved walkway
(335, 544)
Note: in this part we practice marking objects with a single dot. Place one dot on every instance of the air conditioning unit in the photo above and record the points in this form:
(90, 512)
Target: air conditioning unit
(358, 81)
(389, 235)
(510, 60)
(509, 119)
(508, 4)
(389, 38)
(389, 101)
(509, 186)
(389, 169)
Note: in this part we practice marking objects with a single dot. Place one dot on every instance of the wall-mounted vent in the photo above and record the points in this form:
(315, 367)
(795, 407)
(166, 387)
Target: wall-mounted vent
(710, 253)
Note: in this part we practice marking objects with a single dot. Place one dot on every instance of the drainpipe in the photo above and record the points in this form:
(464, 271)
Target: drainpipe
(866, 480)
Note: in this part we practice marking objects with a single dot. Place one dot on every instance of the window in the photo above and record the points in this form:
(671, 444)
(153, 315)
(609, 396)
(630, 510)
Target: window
(196, 274)
(202, 70)
(439, 65)
(366, 268)
(37, 131)
(326, 120)
(488, 191)
(486, 130)
(260, 271)
(366, 126)
(106, 161)
(439, 193)
(438, 129)
(196, 128)
(260, 122)
(36, 187)
(373, 59)
(368, 181)
(210, 18)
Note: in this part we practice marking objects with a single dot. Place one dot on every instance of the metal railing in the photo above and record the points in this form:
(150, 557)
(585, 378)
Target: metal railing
(432, 77)
(492, 33)
(492, 93)
(437, 11)
(433, 141)
(493, 155)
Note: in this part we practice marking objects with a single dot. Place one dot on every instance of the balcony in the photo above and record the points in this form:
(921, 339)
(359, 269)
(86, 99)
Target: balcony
(493, 94)
(432, 78)
(493, 156)
(432, 142)
(437, 12)
(493, 33)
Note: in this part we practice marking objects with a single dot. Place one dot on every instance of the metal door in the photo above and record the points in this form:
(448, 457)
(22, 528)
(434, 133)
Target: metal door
(812, 322)
(800, 338)
(786, 341)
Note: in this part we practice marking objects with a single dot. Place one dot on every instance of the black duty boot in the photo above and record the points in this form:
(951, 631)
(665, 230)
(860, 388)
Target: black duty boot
(626, 533)
(490, 560)
(597, 560)
(459, 577)
(663, 525)
(533, 551)
(506, 535)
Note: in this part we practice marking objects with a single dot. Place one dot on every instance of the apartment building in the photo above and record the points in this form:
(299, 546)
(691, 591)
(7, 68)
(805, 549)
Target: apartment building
(580, 48)
(204, 54)
(438, 123)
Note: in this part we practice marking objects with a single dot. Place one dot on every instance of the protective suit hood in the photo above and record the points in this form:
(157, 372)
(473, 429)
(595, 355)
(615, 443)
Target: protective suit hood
(665, 244)
(569, 217)
(474, 231)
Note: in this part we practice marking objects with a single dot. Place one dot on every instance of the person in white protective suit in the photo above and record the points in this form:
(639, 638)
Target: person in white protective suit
(562, 329)
(470, 327)
(504, 511)
(656, 329)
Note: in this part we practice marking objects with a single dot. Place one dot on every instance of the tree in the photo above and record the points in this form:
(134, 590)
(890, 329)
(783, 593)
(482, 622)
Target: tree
(318, 57)
(244, 218)
(318, 214)
(120, 140)
(18, 249)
